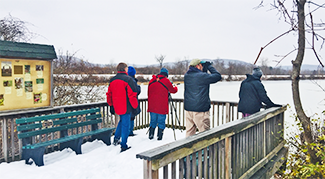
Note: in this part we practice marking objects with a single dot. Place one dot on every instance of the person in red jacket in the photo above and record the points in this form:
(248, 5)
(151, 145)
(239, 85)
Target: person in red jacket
(158, 92)
(122, 95)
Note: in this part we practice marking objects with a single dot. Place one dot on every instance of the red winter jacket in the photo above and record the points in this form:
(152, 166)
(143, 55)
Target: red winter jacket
(158, 94)
(122, 94)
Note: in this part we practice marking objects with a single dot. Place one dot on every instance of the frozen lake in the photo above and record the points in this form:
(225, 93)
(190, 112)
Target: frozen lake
(312, 96)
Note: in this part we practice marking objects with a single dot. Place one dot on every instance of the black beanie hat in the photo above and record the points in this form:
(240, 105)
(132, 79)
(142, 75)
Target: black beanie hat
(257, 72)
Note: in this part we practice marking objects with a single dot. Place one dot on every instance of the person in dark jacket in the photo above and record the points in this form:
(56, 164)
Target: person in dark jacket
(252, 93)
(158, 93)
(122, 95)
(196, 95)
(132, 72)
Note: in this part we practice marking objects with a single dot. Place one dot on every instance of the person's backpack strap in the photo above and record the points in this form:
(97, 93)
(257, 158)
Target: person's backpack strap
(158, 80)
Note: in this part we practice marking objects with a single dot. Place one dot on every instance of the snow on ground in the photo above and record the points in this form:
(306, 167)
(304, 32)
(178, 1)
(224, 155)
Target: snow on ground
(97, 161)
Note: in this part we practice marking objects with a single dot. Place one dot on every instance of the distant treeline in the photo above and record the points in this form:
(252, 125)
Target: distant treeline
(232, 71)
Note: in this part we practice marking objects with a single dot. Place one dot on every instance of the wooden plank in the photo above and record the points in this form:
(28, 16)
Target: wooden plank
(213, 118)
(173, 170)
(211, 154)
(228, 157)
(5, 139)
(200, 169)
(215, 160)
(181, 168)
(59, 128)
(206, 167)
(63, 121)
(262, 162)
(194, 173)
(28, 127)
(12, 136)
(227, 112)
(188, 167)
(165, 172)
(56, 116)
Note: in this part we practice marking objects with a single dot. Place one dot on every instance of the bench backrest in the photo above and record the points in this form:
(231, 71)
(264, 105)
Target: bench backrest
(39, 125)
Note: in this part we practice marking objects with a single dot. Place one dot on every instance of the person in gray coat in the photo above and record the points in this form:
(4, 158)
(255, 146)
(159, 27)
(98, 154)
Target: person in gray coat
(196, 95)
(252, 93)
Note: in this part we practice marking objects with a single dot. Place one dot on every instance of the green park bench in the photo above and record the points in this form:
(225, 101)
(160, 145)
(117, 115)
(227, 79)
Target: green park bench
(67, 129)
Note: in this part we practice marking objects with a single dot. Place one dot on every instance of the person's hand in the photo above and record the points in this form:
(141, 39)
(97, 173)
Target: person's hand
(206, 65)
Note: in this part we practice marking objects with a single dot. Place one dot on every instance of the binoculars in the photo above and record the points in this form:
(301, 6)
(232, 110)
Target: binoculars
(206, 64)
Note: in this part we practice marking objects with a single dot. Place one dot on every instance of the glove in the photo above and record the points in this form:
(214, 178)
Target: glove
(111, 110)
(206, 65)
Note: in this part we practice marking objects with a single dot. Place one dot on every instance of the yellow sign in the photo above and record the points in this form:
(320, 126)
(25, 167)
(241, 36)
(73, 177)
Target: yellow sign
(24, 84)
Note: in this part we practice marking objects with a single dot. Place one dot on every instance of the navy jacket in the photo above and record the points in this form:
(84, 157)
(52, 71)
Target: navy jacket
(251, 95)
(137, 110)
(197, 88)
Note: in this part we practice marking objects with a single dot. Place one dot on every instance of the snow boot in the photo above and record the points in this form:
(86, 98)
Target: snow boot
(124, 149)
(116, 142)
(151, 132)
(160, 133)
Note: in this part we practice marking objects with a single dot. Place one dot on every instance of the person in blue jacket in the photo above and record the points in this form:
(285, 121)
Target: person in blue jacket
(196, 95)
(132, 72)
(252, 93)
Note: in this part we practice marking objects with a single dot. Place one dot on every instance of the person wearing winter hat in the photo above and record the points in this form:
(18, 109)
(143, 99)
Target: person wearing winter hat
(252, 94)
(158, 92)
(196, 95)
(132, 72)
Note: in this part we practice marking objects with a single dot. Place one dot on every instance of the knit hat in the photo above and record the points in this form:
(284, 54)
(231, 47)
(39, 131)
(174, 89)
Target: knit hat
(164, 72)
(131, 71)
(195, 62)
(257, 72)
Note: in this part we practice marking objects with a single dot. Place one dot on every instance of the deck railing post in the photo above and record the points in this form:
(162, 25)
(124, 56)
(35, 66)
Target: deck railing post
(148, 173)
(264, 139)
(227, 112)
(4, 139)
(228, 157)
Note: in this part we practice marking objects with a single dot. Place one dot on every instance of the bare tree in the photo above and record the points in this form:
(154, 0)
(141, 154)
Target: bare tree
(160, 59)
(14, 29)
(75, 88)
(296, 18)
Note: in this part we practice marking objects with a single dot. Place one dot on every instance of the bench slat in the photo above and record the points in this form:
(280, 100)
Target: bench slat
(64, 121)
(95, 116)
(65, 139)
(29, 127)
(56, 116)
(59, 128)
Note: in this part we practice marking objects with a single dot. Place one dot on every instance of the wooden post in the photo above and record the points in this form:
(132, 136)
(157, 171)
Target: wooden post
(227, 112)
(228, 156)
(264, 139)
(12, 140)
(4, 140)
(148, 173)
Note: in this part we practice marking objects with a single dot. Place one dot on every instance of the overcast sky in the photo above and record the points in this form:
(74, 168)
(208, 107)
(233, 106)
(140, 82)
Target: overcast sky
(136, 31)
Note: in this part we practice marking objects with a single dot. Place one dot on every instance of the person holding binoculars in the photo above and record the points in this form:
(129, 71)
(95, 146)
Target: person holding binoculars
(197, 82)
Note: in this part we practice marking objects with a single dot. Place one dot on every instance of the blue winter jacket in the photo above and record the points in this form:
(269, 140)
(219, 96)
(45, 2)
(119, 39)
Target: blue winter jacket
(251, 95)
(197, 88)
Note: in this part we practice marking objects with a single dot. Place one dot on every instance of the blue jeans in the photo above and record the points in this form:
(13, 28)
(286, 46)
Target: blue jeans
(131, 126)
(157, 119)
(122, 129)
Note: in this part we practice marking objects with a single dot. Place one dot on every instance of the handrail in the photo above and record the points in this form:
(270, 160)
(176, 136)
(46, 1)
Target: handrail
(226, 136)
(221, 112)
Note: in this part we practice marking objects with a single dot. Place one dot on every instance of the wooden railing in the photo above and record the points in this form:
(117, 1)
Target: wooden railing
(221, 112)
(250, 147)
